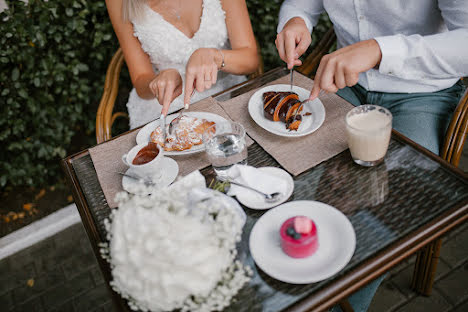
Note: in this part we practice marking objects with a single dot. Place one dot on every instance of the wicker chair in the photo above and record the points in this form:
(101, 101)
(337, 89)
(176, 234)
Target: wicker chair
(427, 258)
(106, 116)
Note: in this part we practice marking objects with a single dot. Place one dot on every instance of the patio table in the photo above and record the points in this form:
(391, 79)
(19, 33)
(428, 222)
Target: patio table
(395, 208)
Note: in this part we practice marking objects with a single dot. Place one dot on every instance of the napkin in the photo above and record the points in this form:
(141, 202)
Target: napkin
(255, 178)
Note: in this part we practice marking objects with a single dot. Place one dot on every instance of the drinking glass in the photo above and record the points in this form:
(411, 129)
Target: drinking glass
(225, 146)
(368, 129)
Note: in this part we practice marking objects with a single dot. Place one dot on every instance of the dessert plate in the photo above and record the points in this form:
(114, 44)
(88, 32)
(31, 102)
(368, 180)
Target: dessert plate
(143, 136)
(337, 242)
(170, 170)
(255, 201)
(308, 125)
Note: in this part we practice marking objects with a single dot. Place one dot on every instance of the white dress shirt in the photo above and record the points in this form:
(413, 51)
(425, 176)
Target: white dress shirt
(424, 43)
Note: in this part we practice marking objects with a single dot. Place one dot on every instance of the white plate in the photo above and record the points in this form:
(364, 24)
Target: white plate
(143, 136)
(337, 242)
(170, 170)
(256, 201)
(309, 123)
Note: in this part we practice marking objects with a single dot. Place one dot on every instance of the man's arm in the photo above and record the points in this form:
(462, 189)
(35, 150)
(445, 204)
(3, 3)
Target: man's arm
(296, 20)
(439, 56)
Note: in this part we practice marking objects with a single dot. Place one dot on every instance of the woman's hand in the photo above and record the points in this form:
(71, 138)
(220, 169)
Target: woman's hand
(202, 71)
(166, 87)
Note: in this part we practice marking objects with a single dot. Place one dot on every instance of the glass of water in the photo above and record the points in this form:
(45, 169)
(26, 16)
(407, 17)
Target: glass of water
(225, 146)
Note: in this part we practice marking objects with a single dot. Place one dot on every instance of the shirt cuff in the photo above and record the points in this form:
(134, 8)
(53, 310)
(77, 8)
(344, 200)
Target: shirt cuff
(393, 54)
(286, 16)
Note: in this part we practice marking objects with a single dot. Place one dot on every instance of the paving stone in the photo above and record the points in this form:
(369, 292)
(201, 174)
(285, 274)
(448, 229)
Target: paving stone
(66, 307)
(403, 279)
(97, 275)
(34, 305)
(43, 282)
(434, 303)
(388, 297)
(93, 298)
(454, 250)
(58, 295)
(463, 307)
(108, 307)
(6, 301)
(13, 278)
(401, 266)
(455, 285)
(79, 263)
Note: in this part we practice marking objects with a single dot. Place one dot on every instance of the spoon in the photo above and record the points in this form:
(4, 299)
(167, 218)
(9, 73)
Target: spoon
(269, 198)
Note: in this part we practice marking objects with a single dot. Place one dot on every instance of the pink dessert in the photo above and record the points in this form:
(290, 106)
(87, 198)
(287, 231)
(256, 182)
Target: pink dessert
(299, 237)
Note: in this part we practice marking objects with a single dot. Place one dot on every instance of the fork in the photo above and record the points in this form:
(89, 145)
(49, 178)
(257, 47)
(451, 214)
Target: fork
(175, 122)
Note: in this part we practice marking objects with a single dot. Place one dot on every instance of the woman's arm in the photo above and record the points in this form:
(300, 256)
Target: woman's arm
(243, 59)
(138, 63)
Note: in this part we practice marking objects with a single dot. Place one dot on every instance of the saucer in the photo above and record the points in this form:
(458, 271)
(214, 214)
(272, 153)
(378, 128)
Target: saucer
(337, 242)
(170, 170)
(255, 201)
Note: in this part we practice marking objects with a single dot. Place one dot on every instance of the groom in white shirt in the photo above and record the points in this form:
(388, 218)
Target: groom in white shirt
(407, 56)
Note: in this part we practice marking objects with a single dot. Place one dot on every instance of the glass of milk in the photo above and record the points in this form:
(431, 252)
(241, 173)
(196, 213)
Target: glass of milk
(368, 129)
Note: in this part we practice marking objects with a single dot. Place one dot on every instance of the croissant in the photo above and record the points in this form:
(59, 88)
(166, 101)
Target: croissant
(282, 106)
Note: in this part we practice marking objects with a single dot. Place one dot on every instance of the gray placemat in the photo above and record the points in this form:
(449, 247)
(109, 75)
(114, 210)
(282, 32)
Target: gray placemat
(297, 155)
(107, 157)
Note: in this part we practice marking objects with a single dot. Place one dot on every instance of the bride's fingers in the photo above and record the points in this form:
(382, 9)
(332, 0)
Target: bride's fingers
(168, 96)
(153, 88)
(207, 79)
(189, 87)
(161, 88)
(214, 74)
(200, 82)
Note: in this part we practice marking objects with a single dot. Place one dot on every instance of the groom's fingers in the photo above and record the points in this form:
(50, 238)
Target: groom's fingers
(290, 49)
(280, 46)
(303, 45)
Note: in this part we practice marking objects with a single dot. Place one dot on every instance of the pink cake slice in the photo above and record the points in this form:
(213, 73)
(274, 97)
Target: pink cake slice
(299, 237)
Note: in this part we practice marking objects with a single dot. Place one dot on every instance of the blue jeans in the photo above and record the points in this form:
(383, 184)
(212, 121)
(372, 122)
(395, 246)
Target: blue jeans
(422, 117)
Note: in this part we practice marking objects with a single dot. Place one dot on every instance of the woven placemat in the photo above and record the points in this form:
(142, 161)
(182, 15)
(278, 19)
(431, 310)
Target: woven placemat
(107, 157)
(297, 155)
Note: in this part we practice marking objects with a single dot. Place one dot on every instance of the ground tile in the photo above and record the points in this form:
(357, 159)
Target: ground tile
(403, 279)
(387, 298)
(38, 285)
(34, 305)
(93, 298)
(57, 296)
(14, 278)
(454, 250)
(434, 303)
(6, 302)
(78, 264)
(463, 307)
(455, 285)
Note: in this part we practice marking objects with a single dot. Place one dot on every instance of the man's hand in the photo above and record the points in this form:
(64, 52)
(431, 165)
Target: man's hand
(342, 67)
(293, 41)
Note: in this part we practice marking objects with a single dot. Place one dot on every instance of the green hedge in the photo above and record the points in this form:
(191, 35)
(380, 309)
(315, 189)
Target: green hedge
(53, 59)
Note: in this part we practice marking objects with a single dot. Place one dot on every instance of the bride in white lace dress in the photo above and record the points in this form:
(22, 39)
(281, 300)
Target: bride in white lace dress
(175, 47)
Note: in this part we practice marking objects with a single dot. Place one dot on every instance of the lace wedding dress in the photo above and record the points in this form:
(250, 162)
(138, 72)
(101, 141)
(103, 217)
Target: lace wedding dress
(168, 47)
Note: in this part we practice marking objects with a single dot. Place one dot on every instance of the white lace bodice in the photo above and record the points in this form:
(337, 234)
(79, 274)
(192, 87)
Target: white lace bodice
(168, 47)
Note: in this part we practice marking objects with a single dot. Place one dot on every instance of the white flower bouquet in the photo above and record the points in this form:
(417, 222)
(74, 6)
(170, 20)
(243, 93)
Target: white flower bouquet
(176, 248)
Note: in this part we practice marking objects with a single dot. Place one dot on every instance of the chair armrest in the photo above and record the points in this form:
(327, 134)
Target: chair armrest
(312, 61)
(104, 116)
(455, 136)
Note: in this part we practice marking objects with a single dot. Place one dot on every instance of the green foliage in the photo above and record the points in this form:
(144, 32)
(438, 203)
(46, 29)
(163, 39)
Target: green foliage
(53, 61)
(53, 58)
(264, 17)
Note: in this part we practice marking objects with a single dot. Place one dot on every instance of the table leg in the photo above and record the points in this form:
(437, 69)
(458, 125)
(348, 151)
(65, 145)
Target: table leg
(425, 268)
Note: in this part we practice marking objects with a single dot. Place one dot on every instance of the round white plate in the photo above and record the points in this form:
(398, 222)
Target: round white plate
(170, 170)
(256, 201)
(337, 242)
(309, 123)
(143, 136)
